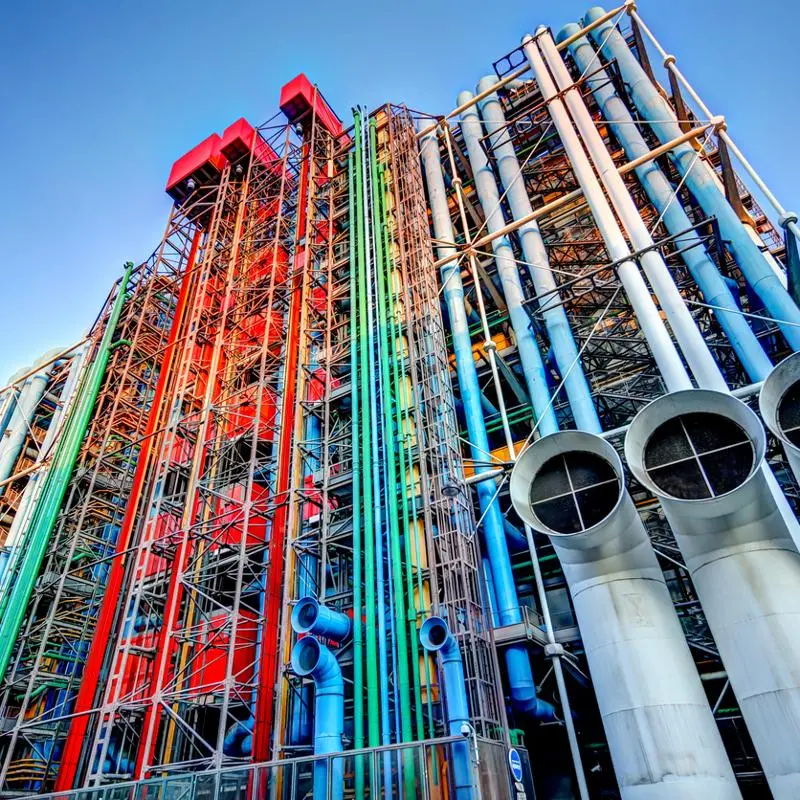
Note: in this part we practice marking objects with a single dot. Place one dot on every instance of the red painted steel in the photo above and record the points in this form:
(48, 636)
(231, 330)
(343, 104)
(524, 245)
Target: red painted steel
(91, 672)
(203, 164)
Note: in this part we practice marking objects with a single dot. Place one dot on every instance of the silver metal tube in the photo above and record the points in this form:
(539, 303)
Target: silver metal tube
(701, 452)
(702, 364)
(779, 403)
(661, 732)
(661, 345)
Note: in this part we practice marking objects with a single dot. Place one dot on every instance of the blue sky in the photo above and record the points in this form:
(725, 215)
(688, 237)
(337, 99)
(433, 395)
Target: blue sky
(99, 98)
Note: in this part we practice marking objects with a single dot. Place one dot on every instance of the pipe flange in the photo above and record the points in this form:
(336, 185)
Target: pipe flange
(669, 59)
(554, 650)
(788, 218)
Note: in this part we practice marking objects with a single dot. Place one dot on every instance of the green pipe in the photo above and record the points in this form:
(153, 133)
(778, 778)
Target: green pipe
(400, 410)
(389, 402)
(373, 713)
(14, 602)
(400, 608)
(358, 645)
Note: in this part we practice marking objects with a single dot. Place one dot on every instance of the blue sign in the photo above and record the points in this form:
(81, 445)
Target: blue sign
(515, 764)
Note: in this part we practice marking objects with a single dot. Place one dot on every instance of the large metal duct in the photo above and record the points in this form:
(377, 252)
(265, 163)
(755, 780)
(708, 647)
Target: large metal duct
(661, 732)
(779, 403)
(701, 452)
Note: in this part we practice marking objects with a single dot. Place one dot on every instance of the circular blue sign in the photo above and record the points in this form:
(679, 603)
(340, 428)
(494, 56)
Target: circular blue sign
(515, 764)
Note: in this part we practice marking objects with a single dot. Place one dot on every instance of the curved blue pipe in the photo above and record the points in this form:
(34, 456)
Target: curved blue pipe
(530, 357)
(435, 637)
(534, 252)
(311, 658)
(310, 616)
(699, 180)
(714, 287)
(520, 676)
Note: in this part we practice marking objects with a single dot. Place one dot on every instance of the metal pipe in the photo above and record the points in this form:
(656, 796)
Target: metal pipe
(695, 351)
(312, 659)
(662, 736)
(520, 676)
(701, 452)
(660, 192)
(310, 616)
(530, 357)
(779, 404)
(436, 637)
(647, 315)
(535, 254)
(700, 180)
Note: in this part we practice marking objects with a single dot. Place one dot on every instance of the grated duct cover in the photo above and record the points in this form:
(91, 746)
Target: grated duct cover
(574, 491)
(698, 456)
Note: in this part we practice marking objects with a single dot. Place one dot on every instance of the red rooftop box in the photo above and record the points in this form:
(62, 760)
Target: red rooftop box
(299, 95)
(237, 141)
(202, 164)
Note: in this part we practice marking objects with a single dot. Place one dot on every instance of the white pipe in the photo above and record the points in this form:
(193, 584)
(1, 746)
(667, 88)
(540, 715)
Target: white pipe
(701, 453)
(779, 403)
(701, 362)
(661, 732)
(647, 315)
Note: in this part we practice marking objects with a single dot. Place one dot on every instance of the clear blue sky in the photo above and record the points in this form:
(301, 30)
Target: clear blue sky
(98, 99)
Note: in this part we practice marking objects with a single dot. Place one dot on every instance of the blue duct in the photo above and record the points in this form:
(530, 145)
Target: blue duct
(310, 616)
(705, 273)
(520, 676)
(555, 317)
(311, 658)
(699, 179)
(530, 357)
(435, 637)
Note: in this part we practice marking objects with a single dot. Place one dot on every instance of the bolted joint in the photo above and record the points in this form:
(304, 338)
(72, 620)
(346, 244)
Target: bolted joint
(554, 650)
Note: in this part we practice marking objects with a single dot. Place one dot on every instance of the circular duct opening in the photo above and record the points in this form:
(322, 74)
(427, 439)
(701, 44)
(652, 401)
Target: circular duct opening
(574, 491)
(789, 414)
(436, 635)
(305, 656)
(305, 614)
(698, 456)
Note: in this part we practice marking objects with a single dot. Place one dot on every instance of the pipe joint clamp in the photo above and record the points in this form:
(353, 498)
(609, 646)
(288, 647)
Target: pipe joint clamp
(669, 59)
(787, 218)
(489, 345)
(554, 650)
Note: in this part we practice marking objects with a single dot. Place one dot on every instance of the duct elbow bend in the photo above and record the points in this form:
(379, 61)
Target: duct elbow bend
(593, 14)
(570, 29)
(310, 616)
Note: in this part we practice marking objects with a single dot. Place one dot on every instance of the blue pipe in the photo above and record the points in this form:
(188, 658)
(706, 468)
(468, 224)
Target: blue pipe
(311, 658)
(534, 252)
(310, 616)
(658, 188)
(530, 357)
(520, 676)
(699, 179)
(435, 637)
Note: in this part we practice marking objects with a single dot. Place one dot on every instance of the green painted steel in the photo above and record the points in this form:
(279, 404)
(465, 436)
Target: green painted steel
(373, 712)
(14, 601)
(358, 643)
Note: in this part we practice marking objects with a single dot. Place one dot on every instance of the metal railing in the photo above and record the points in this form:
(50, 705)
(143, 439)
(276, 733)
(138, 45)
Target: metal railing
(292, 778)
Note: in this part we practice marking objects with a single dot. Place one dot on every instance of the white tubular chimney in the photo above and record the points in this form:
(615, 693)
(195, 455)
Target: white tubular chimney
(661, 732)
(702, 452)
(779, 403)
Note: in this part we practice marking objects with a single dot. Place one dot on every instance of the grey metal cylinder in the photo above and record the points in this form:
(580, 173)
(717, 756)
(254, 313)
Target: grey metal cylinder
(701, 452)
(779, 403)
(661, 732)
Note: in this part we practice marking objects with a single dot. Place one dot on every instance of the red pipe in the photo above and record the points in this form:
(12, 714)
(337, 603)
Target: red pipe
(268, 662)
(84, 701)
